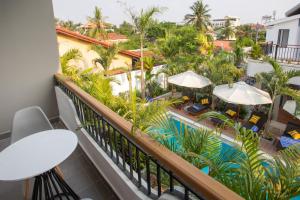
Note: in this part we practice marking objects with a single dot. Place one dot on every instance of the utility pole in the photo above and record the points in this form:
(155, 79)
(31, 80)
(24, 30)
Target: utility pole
(256, 36)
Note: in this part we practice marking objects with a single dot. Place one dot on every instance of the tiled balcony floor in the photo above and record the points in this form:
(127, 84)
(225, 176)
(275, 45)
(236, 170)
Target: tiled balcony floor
(79, 173)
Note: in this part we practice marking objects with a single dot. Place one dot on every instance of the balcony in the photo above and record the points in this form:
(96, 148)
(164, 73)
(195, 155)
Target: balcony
(288, 53)
(78, 171)
(134, 165)
(111, 162)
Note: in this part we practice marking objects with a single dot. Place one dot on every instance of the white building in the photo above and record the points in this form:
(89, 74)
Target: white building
(219, 23)
(286, 31)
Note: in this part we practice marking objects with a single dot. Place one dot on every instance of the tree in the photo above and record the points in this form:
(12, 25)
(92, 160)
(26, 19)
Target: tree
(228, 31)
(205, 44)
(141, 23)
(256, 52)
(239, 55)
(126, 29)
(106, 55)
(276, 83)
(220, 69)
(70, 25)
(98, 25)
(200, 17)
(259, 177)
(242, 168)
(66, 66)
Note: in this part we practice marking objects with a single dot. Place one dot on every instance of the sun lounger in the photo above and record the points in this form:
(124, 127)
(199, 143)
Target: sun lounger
(231, 111)
(256, 121)
(291, 135)
(197, 108)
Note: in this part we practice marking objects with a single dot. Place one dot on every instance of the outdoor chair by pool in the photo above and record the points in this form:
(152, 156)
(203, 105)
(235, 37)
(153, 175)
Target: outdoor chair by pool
(256, 121)
(231, 111)
(197, 108)
(290, 136)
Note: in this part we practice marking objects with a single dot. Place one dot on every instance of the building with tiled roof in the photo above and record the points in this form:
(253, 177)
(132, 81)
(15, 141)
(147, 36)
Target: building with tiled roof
(69, 39)
(115, 38)
(225, 45)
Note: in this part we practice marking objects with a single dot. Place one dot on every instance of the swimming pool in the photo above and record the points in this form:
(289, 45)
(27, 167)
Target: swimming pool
(225, 147)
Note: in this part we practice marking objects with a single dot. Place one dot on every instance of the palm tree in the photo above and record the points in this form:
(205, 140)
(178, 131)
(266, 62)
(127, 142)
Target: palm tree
(276, 83)
(98, 25)
(200, 17)
(70, 25)
(141, 22)
(255, 176)
(228, 31)
(66, 66)
(221, 70)
(106, 56)
(239, 55)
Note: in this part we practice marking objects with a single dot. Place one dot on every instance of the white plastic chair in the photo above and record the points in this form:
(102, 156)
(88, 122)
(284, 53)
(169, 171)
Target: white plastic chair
(67, 110)
(28, 121)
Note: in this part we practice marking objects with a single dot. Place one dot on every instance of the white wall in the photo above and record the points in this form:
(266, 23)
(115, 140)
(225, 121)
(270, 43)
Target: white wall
(122, 84)
(292, 25)
(28, 58)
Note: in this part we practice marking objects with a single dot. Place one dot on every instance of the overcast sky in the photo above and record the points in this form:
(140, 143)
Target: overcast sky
(114, 10)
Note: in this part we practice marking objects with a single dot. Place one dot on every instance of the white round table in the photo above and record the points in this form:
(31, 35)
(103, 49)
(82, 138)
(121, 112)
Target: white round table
(36, 156)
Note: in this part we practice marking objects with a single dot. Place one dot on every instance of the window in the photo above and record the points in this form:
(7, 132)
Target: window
(283, 37)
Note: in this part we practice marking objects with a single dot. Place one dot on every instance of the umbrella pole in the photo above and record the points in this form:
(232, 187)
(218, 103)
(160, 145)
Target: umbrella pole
(238, 114)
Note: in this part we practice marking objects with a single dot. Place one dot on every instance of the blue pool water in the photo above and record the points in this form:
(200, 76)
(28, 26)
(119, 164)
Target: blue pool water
(226, 147)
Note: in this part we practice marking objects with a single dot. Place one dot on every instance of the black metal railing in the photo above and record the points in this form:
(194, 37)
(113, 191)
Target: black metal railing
(284, 53)
(151, 177)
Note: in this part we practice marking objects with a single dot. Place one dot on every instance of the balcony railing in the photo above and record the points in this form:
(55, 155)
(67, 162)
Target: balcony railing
(149, 165)
(287, 53)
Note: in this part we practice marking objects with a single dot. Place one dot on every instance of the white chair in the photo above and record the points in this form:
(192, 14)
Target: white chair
(28, 121)
(67, 111)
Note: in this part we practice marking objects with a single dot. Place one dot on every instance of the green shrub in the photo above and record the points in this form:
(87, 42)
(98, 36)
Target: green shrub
(256, 52)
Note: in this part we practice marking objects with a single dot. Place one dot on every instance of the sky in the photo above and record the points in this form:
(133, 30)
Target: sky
(250, 11)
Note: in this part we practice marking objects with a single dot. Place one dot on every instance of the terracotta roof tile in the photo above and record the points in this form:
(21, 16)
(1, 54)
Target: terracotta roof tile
(223, 44)
(66, 32)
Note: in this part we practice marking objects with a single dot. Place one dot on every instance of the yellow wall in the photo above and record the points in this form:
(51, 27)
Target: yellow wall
(66, 43)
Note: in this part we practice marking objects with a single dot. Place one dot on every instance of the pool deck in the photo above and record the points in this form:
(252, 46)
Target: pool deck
(266, 147)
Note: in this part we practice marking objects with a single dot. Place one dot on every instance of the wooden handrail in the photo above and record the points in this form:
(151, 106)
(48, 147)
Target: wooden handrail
(199, 182)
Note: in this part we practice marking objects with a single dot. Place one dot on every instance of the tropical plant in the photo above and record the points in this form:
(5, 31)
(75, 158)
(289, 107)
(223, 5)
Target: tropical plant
(205, 44)
(70, 25)
(276, 83)
(200, 17)
(256, 52)
(126, 29)
(254, 176)
(221, 69)
(67, 67)
(106, 55)
(98, 25)
(244, 42)
(141, 112)
(141, 23)
(239, 55)
(228, 31)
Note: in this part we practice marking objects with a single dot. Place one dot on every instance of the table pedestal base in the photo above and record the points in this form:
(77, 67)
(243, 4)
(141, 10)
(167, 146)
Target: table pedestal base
(51, 186)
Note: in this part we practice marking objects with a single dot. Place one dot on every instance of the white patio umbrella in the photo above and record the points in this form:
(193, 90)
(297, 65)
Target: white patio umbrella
(242, 93)
(291, 107)
(189, 79)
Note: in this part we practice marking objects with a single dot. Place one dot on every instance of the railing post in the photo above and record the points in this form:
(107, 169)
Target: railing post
(276, 51)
